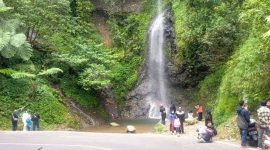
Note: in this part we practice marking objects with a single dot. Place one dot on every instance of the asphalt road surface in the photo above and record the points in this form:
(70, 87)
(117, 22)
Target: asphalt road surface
(61, 140)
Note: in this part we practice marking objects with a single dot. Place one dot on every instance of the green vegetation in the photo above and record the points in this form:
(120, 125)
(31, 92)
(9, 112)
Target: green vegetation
(52, 111)
(223, 46)
(61, 34)
(129, 38)
(160, 128)
(227, 44)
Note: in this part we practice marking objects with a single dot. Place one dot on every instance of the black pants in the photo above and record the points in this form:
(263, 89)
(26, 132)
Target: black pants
(14, 125)
(182, 127)
(200, 116)
(35, 126)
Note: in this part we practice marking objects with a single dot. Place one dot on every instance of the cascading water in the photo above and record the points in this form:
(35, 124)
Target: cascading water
(156, 65)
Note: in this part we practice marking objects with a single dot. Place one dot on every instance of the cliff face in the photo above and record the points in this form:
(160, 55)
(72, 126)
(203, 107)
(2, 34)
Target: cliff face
(134, 6)
(136, 105)
(101, 14)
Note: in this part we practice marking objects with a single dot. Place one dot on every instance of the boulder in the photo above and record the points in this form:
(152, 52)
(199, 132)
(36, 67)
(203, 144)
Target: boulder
(114, 124)
(131, 129)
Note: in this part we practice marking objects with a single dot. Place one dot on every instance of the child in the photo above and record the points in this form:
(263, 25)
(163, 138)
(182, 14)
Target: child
(177, 125)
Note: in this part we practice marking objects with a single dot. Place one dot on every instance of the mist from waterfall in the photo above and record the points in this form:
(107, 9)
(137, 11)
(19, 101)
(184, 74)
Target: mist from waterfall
(156, 65)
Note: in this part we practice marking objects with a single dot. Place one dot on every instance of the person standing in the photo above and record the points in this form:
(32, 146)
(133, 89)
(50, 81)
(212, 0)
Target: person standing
(208, 118)
(35, 119)
(14, 120)
(181, 115)
(26, 116)
(199, 110)
(172, 117)
(264, 121)
(177, 125)
(243, 121)
(162, 113)
(28, 124)
(173, 108)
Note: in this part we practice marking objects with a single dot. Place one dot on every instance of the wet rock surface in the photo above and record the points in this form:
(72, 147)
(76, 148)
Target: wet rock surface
(136, 105)
(134, 6)
(108, 101)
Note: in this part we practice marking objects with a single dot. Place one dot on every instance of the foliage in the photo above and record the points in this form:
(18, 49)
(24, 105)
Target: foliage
(92, 63)
(226, 41)
(50, 71)
(129, 39)
(17, 74)
(229, 129)
(247, 73)
(206, 33)
(160, 128)
(208, 88)
(51, 110)
(222, 45)
(12, 43)
(86, 99)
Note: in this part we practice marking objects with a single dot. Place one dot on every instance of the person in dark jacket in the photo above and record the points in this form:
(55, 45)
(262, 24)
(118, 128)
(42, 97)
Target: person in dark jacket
(208, 117)
(173, 108)
(181, 115)
(243, 121)
(35, 119)
(14, 120)
(162, 113)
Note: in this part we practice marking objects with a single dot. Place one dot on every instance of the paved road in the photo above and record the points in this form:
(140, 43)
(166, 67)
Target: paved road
(103, 141)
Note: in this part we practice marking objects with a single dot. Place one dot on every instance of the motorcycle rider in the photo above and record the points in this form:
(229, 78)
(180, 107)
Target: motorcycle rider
(206, 132)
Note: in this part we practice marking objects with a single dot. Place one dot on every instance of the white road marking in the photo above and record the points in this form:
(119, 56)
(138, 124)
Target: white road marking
(64, 145)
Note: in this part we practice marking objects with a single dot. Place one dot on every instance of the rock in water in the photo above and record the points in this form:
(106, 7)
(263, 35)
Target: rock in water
(131, 129)
(114, 124)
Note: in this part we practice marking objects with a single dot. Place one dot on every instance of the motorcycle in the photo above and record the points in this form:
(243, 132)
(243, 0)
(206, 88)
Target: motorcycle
(266, 142)
(252, 135)
(205, 134)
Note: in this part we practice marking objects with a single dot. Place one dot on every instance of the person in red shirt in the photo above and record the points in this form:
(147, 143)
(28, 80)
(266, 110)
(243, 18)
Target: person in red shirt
(199, 110)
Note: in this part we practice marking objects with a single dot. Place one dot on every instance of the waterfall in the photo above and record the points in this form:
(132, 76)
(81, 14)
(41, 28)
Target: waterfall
(156, 65)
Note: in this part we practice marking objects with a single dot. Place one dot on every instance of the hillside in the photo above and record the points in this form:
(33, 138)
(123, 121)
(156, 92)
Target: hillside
(93, 54)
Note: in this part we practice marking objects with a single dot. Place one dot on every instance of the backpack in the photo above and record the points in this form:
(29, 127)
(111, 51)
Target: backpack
(28, 122)
(241, 122)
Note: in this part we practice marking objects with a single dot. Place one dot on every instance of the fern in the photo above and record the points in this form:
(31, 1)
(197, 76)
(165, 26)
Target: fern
(25, 51)
(3, 8)
(12, 43)
(4, 39)
(268, 19)
(10, 25)
(18, 40)
(19, 75)
(7, 71)
(8, 51)
(50, 71)
(267, 34)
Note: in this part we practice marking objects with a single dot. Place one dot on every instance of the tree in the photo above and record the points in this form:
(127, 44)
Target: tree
(92, 63)
(12, 43)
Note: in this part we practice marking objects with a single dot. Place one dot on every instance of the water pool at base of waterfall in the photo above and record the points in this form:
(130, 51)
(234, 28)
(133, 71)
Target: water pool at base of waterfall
(141, 125)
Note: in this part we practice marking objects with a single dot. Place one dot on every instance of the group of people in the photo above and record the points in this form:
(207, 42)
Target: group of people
(207, 131)
(244, 121)
(177, 119)
(30, 123)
